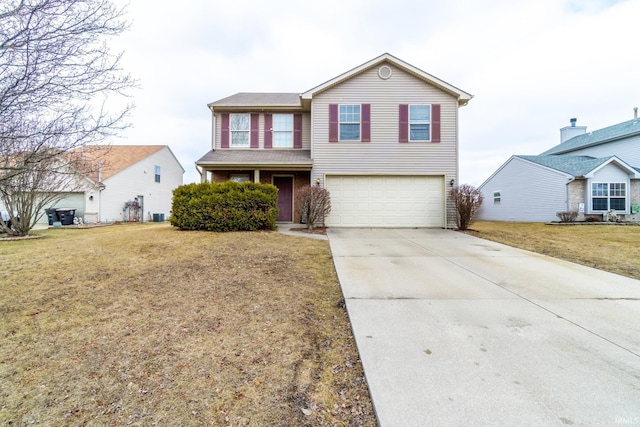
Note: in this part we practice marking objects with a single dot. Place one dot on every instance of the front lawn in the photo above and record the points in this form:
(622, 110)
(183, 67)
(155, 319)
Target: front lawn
(147, 325)
(609, 247)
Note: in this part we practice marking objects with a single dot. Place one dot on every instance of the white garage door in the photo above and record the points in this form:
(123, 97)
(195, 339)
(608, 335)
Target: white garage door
(386, 201)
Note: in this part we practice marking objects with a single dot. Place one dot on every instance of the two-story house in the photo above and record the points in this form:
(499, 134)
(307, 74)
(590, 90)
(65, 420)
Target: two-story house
(381, 137)
(590, 173)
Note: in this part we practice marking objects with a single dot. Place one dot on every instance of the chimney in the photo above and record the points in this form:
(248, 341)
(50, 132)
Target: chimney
(635, 112)
(568, 132)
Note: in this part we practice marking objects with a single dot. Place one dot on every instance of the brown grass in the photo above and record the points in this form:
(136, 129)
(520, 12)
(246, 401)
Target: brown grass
(148, 325)
(608, 247)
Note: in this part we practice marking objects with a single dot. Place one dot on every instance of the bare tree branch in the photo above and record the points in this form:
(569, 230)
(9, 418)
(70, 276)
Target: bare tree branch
(58, 83)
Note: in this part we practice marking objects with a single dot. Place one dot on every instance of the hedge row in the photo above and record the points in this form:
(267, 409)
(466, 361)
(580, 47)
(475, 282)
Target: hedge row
(226, 206)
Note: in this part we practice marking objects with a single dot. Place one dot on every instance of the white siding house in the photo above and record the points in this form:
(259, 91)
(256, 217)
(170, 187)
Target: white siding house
(507, 199)
(147, 174)
(592, 174)
(381, 137)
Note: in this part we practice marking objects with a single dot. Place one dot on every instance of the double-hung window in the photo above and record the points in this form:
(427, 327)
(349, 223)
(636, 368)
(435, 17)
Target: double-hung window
(239, 129)
(419, 122)
(608, 195)
(157, 173)
(283, 130)
(349, 119)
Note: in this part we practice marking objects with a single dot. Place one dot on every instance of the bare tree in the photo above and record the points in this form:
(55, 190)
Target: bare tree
(315, 203)
(467, 200)
(61, 88)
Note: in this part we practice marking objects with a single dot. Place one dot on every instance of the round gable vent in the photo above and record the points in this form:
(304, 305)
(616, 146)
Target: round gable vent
(384, 72)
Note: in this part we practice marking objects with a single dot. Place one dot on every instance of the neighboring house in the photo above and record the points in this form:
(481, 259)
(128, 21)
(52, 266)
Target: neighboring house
(126, 183)
(588, 173)
(382, 138)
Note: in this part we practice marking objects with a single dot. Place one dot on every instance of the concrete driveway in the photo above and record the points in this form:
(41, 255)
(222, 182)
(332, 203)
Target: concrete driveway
(456, 330)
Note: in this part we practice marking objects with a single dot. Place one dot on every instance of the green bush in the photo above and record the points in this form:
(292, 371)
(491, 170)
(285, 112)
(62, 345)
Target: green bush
(226, 206)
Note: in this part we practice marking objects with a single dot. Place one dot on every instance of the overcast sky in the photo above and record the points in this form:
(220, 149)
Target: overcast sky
(531, 65)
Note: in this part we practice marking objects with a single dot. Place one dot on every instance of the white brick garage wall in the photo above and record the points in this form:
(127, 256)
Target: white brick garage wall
(386, 201)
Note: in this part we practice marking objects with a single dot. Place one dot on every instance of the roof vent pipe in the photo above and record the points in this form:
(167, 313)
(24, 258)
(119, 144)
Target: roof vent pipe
(573, 122)
(635, 112)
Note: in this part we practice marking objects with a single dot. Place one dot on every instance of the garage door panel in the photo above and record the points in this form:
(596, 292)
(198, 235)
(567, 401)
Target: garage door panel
(386, 201)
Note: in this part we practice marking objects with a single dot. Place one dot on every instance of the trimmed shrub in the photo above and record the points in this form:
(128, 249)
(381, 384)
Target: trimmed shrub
(226, 206)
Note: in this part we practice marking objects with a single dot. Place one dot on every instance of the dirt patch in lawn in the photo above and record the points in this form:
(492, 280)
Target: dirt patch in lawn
(607, 247)
(148, 325)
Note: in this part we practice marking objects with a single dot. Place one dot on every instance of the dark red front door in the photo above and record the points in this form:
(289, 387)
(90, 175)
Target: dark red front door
(285, 197)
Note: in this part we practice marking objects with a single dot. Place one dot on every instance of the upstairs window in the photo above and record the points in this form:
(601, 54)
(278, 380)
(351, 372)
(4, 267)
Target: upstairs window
(497, 197)
(239, 127)
(283, 130)
(419, 122)
(349, 118)
(608, 195)
(157, 173)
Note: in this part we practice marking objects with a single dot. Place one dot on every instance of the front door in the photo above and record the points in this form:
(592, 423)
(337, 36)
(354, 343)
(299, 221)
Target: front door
(285, 197)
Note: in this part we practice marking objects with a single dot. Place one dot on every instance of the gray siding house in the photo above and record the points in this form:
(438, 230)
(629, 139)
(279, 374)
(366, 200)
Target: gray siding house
(381, 137)
(592, 174)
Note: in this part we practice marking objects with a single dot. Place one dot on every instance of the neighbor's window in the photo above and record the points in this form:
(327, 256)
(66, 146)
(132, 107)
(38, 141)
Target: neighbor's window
(497, 197)
(608, 195)
(239, 128)
(157, 178)
(283, 130)
(419, 122)
(349, 122)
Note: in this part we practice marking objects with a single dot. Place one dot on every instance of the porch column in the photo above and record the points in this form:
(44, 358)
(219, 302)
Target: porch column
(256, 175)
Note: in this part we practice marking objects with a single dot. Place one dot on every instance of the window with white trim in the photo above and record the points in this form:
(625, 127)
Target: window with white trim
(239, 129)
(497, 197)
(419, 122)
(349, 120)
(282, 127)
(157, 174)
(608, 195)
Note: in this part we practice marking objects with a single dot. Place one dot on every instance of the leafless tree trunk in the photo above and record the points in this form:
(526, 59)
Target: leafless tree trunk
(61, 88)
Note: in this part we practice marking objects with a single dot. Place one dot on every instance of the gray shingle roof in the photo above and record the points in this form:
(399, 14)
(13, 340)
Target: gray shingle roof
(259, 99)
(249, 158)
(611, 133)
(572, 165)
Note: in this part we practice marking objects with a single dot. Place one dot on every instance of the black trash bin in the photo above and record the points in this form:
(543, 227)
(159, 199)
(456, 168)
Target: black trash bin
(52, 215)
(66, 216)
(158, 217)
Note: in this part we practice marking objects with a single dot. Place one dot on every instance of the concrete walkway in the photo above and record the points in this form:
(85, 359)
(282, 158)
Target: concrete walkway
(456, 330)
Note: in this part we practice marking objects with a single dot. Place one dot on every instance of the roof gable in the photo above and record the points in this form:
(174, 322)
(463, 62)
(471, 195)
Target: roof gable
(609, 134)
(462, 96)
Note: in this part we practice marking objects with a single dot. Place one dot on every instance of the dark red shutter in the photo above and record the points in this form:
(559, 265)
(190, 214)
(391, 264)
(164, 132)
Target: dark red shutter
(268, 131)
(333, 122)
(403, 134)
(435, 122)
(255, 131)
(366, 122)
(297, 131)
(224, 134)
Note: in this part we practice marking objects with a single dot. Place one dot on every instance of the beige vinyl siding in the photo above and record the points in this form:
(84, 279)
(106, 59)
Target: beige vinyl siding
(306, 130)
(384, 154)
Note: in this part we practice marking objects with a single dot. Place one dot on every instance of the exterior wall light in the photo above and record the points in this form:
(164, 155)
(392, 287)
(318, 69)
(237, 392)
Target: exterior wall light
(318, 181)
(453, 181)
